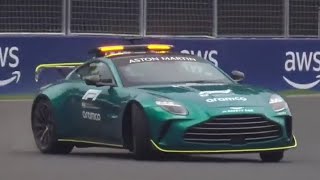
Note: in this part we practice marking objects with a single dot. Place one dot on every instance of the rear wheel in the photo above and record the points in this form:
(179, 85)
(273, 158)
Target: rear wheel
(44, 130)
(273, 156)
(142, 147)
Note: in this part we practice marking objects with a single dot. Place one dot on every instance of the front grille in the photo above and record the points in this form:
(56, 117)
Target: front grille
(237, 129)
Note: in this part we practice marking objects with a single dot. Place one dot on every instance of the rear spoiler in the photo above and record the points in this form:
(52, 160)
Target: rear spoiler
(57, 66)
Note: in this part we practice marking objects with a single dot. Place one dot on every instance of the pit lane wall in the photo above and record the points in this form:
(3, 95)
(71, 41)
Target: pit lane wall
(277, 64)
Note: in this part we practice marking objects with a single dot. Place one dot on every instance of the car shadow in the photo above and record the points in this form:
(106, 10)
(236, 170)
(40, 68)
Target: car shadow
(167, 157)
(108, 155)
(127, 156)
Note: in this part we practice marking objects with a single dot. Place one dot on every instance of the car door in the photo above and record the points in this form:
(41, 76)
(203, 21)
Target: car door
(79, 126)
(100, 105)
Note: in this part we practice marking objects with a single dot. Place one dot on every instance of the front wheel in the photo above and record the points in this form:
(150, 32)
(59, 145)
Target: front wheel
(273, 156)
(142, 147)
(44, 129)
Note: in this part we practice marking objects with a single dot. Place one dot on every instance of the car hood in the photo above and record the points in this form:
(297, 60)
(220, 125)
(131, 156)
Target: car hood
(212, 95)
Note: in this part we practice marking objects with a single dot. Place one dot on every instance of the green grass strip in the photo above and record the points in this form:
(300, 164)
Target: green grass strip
(293, 92)
(16, 96)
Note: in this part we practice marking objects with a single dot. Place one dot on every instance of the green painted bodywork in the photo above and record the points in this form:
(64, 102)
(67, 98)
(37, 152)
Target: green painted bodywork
(66, 98)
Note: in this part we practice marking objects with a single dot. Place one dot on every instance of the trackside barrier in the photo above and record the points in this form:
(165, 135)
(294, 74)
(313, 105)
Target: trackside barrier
(277, 64)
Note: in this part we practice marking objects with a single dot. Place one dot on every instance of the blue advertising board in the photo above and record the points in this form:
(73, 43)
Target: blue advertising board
(277, 64)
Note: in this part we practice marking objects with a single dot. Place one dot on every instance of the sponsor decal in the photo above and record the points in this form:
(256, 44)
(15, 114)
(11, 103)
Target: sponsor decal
(162, 58)
(91, 94)
(226, 99)
(89, 105)
(302, 62)
(208, 93)
(210, 55)
(91, 116)
(9, 59)
(89, 97)
(237, 110)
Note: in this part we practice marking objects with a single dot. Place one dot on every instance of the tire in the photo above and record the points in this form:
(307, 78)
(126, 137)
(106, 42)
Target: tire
(142, 148)
(273, 156)
(44, 129)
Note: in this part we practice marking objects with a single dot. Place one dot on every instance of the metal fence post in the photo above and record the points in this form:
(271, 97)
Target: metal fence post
(215, 18)
(143, 17)
(68, 17)
(286, 18)
(64, 17)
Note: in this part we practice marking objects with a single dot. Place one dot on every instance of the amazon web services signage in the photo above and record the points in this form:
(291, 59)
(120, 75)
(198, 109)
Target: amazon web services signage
(280, 64)
(303, 62)
(9, 62)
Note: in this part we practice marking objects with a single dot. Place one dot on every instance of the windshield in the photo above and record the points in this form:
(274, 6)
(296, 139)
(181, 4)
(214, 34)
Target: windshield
(167, 69)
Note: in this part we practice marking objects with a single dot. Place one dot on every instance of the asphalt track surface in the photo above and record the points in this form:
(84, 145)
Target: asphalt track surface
(20, 160)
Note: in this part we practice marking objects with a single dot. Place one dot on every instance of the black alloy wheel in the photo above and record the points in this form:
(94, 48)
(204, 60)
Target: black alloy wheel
(44, 130)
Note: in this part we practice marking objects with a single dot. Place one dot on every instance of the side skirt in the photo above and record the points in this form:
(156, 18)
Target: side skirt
(85, 143)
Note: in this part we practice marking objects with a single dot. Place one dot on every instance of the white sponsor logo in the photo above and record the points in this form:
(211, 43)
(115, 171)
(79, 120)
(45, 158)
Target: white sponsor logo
(237, 110)
(226, 99)
(9, 58)
(91, 115)
(207, 93)
(162, 58)
(91, 94)
(302, 61)
(206, 54)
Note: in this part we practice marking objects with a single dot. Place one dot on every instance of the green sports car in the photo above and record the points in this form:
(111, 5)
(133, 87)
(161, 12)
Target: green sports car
(151, 101)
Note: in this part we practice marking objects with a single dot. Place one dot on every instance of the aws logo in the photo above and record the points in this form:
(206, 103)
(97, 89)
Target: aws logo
(302, 61)
(9, 59)
(210, 55)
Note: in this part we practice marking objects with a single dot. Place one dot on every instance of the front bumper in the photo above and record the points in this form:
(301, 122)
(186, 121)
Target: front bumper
(292, 144)
(167, 135)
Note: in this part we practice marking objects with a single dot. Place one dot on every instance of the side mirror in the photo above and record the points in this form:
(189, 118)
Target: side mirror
(237, 75)
(95, 80)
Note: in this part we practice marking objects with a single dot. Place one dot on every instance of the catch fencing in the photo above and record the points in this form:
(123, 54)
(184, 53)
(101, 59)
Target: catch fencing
(169, 18)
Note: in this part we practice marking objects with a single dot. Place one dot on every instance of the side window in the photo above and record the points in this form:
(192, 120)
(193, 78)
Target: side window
(103, 70)
(94, 68)
(81, 72)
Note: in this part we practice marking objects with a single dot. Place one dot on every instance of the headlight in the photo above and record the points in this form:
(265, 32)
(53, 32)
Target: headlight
(172, 107)
(278, 103)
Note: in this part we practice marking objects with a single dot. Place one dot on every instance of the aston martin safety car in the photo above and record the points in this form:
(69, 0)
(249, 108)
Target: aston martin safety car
(151, 100)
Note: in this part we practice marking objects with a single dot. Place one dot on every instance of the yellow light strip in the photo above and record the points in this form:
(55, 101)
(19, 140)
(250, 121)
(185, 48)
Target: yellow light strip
(89, 142)
(154, 47)
(159, 47)
(111, 48)
(225, 151)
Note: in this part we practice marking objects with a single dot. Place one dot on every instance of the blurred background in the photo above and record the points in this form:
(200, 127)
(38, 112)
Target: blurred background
(187, 18)
(282, 36)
